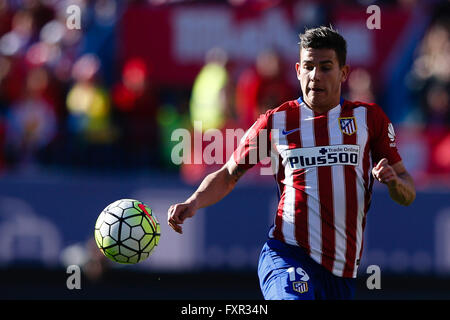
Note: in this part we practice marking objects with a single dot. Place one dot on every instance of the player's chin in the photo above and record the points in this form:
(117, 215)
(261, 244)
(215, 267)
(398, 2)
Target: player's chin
(317, 97)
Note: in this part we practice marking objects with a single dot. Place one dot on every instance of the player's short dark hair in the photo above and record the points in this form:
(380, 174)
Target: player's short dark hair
(325, 38)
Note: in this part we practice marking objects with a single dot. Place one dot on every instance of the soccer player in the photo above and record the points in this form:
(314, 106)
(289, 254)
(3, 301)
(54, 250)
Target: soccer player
(329, 151)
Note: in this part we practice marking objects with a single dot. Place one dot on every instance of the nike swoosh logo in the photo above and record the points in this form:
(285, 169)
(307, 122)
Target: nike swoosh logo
(284, 132)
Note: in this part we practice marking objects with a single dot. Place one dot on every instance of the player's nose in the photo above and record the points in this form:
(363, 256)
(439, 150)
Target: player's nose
(314, 74)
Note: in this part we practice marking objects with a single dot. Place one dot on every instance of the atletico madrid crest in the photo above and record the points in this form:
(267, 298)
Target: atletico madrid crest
(347, 125)
(300, 286)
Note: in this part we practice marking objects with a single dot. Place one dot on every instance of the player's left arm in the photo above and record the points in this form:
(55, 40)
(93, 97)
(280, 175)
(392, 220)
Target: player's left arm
(399, 182)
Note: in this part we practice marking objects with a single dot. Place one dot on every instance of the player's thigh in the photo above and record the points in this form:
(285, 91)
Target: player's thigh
(284, 277)
(337, 288)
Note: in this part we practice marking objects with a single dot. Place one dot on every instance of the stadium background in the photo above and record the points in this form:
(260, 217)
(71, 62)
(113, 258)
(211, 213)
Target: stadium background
(86, 118)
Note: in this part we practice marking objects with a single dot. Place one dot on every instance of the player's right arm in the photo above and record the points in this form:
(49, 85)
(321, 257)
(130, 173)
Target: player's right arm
(213, 188)
(218, 184)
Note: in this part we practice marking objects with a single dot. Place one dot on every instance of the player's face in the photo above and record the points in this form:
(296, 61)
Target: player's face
(320, 78)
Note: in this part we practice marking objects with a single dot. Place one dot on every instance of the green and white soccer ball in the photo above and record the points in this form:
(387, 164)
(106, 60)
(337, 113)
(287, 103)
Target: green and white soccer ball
(126, 231)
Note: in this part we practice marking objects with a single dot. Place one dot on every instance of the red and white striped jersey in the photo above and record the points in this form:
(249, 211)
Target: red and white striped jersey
(323, 175)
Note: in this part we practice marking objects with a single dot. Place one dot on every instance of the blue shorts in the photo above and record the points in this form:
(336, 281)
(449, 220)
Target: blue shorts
(286, 272)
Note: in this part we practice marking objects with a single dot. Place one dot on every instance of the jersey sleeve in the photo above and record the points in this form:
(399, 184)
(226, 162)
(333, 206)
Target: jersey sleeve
(255, 144)
(383, 142)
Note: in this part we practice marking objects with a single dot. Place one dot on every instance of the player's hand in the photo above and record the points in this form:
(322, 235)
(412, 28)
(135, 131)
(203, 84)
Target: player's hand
(384, 173)
(178, 213)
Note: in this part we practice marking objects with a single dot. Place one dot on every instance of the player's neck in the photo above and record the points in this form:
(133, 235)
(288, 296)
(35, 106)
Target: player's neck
(322, 108)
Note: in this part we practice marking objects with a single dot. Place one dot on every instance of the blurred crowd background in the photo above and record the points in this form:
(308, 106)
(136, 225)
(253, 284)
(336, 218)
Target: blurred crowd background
(106, 97)
(92, 98)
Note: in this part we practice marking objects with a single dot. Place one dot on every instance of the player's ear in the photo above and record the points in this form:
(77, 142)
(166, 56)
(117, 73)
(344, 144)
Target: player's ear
(297, 70)
(345, 70)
